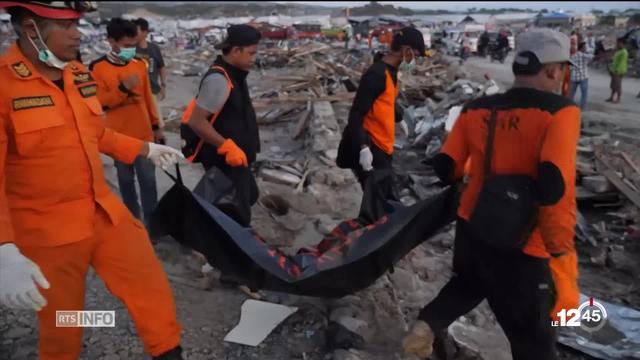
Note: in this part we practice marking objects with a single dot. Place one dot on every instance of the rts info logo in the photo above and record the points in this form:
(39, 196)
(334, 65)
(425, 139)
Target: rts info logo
(591, 316)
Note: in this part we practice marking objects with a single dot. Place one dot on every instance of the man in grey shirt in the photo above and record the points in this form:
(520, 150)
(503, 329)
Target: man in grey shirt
(213, 93)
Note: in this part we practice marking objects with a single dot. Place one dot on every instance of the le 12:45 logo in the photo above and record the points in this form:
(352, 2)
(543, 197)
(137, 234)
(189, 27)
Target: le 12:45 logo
(591, 316)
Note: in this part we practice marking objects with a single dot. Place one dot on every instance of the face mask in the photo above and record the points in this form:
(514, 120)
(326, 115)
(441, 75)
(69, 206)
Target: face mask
(407, 66)
(127, 54)
(44, 54)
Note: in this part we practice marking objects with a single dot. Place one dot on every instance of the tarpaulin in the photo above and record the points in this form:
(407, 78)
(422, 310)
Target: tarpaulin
(349, 259)
(619, 338)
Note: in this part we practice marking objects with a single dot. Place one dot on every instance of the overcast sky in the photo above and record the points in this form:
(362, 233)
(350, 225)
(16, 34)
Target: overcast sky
(579, 6)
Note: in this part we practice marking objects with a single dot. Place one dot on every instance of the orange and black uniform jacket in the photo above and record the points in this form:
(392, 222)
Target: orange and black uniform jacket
(536, 135)
(130, 112)
(373, 115)
(51, 176)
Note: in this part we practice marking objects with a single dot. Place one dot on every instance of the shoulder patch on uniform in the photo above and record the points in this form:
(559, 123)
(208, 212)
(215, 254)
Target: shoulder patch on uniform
(74, 68)
(81, 78)
(31, 102)
(88, 90)
(21, 69)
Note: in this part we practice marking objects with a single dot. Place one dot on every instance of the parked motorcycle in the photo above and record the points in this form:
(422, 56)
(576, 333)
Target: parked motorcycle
(498, 54)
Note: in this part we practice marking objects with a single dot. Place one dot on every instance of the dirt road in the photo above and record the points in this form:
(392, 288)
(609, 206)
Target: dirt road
(624, 114)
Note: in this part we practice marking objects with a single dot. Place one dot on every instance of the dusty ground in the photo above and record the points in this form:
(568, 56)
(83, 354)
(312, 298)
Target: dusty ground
(207, 315)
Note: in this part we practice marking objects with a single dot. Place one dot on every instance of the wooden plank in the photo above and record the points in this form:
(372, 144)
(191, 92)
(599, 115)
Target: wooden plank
(583, 194)
(307, 170)
(297, 86)
(309, 52)
(629, 161)
(303, 122)
(617, 181)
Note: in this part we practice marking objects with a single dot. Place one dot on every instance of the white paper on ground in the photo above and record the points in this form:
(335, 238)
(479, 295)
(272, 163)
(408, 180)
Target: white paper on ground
(257, 321)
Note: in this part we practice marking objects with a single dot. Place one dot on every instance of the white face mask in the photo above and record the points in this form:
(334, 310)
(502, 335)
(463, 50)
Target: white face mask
(44, 54)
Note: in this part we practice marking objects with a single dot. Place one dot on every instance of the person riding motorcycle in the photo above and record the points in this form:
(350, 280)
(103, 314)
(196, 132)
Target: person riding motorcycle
(501, 48)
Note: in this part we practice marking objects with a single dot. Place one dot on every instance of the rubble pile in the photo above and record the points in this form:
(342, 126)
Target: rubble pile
(608, 189)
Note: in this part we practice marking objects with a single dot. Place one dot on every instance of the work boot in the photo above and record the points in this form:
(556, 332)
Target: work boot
(419, 342)
(173, 354)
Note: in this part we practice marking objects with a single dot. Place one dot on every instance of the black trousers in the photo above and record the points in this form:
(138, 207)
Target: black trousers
(381, 160)
(518, 287)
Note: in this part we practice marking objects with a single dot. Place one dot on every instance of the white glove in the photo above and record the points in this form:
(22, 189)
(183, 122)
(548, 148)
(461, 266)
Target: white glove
(366, 159)
(18, 279)
(163, 156)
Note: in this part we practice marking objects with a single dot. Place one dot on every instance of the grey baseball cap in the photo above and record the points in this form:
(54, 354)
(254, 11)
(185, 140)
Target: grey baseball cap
(548, 46)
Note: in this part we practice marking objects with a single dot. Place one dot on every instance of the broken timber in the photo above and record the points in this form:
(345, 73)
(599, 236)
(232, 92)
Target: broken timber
(619, 183)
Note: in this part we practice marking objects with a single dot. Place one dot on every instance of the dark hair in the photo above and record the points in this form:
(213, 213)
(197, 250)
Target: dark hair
(395, 42)
(620, 40)
(227, 50)
(18, 14)
(119, 28)
(378, 56)
(582, 45)
(142, 24)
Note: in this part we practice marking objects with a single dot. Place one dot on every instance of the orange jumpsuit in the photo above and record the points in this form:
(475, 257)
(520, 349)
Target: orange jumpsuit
(134, 112)
(56, 206)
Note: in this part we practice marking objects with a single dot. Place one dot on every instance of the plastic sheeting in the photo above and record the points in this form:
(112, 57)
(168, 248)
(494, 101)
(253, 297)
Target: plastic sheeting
(619, 339)
(349, 259)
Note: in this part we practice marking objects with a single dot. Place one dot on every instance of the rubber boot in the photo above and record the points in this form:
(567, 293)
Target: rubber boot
(419, 341)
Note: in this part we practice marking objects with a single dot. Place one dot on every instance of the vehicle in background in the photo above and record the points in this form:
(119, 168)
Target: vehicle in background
(335, 33)
(512, 39)
(474, 38)
(493, 39)
(273, 32)
(307, 31)
(158, 39)
(426, 34)
(450, 41)
(498, 54)
(436, 39)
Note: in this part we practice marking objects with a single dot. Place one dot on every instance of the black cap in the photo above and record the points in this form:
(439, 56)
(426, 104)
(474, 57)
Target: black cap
(240, 35)
(411, 37)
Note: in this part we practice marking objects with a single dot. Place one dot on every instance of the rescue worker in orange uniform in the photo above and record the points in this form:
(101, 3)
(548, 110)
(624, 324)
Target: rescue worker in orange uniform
(124, 90)
(385, 38)
(536, 134)
(57, 213)
(367, 140)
